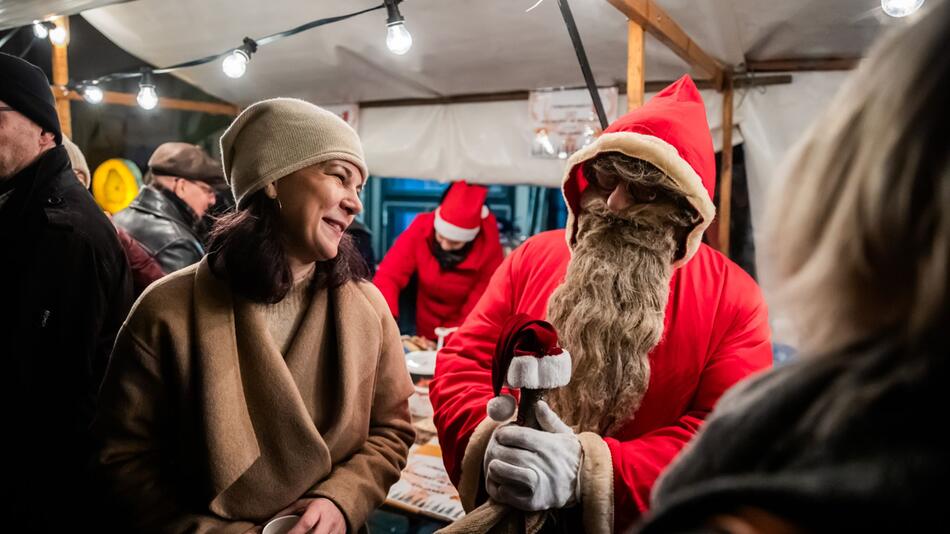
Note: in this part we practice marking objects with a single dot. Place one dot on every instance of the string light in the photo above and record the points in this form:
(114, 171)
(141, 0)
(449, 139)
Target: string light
(58, 35)
(235, 63)
(92, 93)
(147, 97)
(398, 39)
(41, 29)
(900, 8)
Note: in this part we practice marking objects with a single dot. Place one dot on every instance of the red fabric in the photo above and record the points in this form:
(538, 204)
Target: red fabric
(462, 205)
(145, 269)
(716, 334)
(676, 115)
(521, 335)
(443, 298)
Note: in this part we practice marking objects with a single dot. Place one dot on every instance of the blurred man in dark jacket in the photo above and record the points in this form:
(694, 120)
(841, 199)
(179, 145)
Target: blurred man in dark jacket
(166, 215)
(65, 290)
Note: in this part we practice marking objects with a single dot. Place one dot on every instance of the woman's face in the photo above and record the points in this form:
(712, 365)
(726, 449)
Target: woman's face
(317, 204)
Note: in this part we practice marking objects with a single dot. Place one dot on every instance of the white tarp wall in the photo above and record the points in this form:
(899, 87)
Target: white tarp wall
(491, 142)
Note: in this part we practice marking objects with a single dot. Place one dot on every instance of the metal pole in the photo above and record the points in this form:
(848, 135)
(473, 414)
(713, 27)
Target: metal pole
(582, 59)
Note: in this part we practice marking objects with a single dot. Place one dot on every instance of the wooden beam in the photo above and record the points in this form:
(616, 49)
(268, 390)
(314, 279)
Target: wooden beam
(803, 64)
(725, 172)
(128, 99)
(505, 96)
(635, 80)
(61, 77)
(655, 21)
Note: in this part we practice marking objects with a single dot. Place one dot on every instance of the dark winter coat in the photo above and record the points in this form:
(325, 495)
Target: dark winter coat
(65, 290)
(165, 226)
(845, 442)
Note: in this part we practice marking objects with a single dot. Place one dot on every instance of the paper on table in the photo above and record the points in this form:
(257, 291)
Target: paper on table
(424, 486)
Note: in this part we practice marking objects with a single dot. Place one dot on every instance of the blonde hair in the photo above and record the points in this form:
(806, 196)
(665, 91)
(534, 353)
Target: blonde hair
(859, 235)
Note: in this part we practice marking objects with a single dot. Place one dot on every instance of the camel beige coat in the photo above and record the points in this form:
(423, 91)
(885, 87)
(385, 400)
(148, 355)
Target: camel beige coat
(205, 426)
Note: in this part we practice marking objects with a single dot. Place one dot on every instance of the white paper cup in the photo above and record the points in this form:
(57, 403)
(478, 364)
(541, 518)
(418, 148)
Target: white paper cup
(281, 525)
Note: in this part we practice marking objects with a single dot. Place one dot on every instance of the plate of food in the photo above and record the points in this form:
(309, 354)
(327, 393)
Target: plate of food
(421, 362)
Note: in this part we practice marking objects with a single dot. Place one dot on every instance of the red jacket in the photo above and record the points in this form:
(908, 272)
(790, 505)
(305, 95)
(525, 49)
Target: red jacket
(716, 330)
(444, 298)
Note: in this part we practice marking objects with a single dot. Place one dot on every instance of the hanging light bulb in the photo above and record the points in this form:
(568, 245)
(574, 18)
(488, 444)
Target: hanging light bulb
(235, 63)
(147, 97)
(40, 30)
(92, 93)
(398, 39)
(58, 35)
(900, 8)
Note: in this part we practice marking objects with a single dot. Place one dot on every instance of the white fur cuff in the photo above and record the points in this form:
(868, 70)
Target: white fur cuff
(546, 372)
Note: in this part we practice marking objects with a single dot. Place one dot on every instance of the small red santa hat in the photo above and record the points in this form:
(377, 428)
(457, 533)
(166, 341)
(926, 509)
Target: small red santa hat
(527, 356)
(459, 218)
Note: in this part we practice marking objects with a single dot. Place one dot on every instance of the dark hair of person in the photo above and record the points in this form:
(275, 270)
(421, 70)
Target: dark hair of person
(245, 250)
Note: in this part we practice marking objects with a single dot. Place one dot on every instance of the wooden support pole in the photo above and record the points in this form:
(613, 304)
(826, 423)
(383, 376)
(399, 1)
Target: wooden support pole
(636, 82)
(803, 64)
(61, 77)
(655, 21)
(725, 172)
(128, 99)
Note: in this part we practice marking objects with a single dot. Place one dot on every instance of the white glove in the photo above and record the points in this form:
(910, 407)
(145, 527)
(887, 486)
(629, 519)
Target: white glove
(534, 469)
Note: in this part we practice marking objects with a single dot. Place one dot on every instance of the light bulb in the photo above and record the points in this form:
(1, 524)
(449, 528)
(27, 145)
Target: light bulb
(900, 8)
(92, 93)
(147, 97)
(40, 30)
(398, 39)
(58, 36)
(235, 63)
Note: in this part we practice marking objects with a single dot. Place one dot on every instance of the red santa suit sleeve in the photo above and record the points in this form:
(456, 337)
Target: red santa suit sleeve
(493, 256)
(399, 264)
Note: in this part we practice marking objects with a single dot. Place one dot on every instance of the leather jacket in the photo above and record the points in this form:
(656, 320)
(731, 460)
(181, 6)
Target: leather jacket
(165, 226)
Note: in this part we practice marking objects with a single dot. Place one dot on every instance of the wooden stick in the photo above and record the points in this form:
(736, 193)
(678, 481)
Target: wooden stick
(61, 77)
(128, 99)
(658, 23)
(635, 79)
(725, 173)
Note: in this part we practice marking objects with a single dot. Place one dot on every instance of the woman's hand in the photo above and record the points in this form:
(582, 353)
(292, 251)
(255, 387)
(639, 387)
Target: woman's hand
(317, 515)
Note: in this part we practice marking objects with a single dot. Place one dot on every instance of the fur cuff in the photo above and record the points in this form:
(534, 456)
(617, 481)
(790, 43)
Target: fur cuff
(546, 372)
(596, 478)
(471, 477)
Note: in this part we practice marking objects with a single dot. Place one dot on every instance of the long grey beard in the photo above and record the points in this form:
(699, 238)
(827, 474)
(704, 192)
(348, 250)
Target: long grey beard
(609, 315)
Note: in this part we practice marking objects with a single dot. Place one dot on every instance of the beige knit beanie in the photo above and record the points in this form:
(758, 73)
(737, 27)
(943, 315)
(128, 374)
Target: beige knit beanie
(77, 160)
(273, 138)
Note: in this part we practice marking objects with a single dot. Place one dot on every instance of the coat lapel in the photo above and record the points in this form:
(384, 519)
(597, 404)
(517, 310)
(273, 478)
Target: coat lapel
(232, 444)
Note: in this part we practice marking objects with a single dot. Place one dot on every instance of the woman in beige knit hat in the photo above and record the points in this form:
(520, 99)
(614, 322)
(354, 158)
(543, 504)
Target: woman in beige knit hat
(269, 378)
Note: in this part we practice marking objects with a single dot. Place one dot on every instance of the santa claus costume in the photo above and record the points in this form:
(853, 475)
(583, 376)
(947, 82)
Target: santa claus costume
(449, 283)
(715, 327)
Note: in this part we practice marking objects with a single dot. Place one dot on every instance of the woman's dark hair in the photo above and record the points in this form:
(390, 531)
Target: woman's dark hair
(245, 250)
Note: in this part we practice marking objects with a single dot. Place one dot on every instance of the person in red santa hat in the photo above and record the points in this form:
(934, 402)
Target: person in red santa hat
(453, 251)
(657, 323)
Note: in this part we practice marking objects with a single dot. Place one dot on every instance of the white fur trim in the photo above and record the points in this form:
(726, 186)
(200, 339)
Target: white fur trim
(450, 231)
(596, 482)
(470, 479)
(485, 212)
(546, 372)
(667, 159)
(501, 408)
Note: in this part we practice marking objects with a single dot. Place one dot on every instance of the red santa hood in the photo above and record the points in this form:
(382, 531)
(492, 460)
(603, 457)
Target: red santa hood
(671, 132)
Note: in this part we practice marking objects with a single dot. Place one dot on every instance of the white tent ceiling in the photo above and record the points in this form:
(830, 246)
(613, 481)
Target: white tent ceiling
(464, 46)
